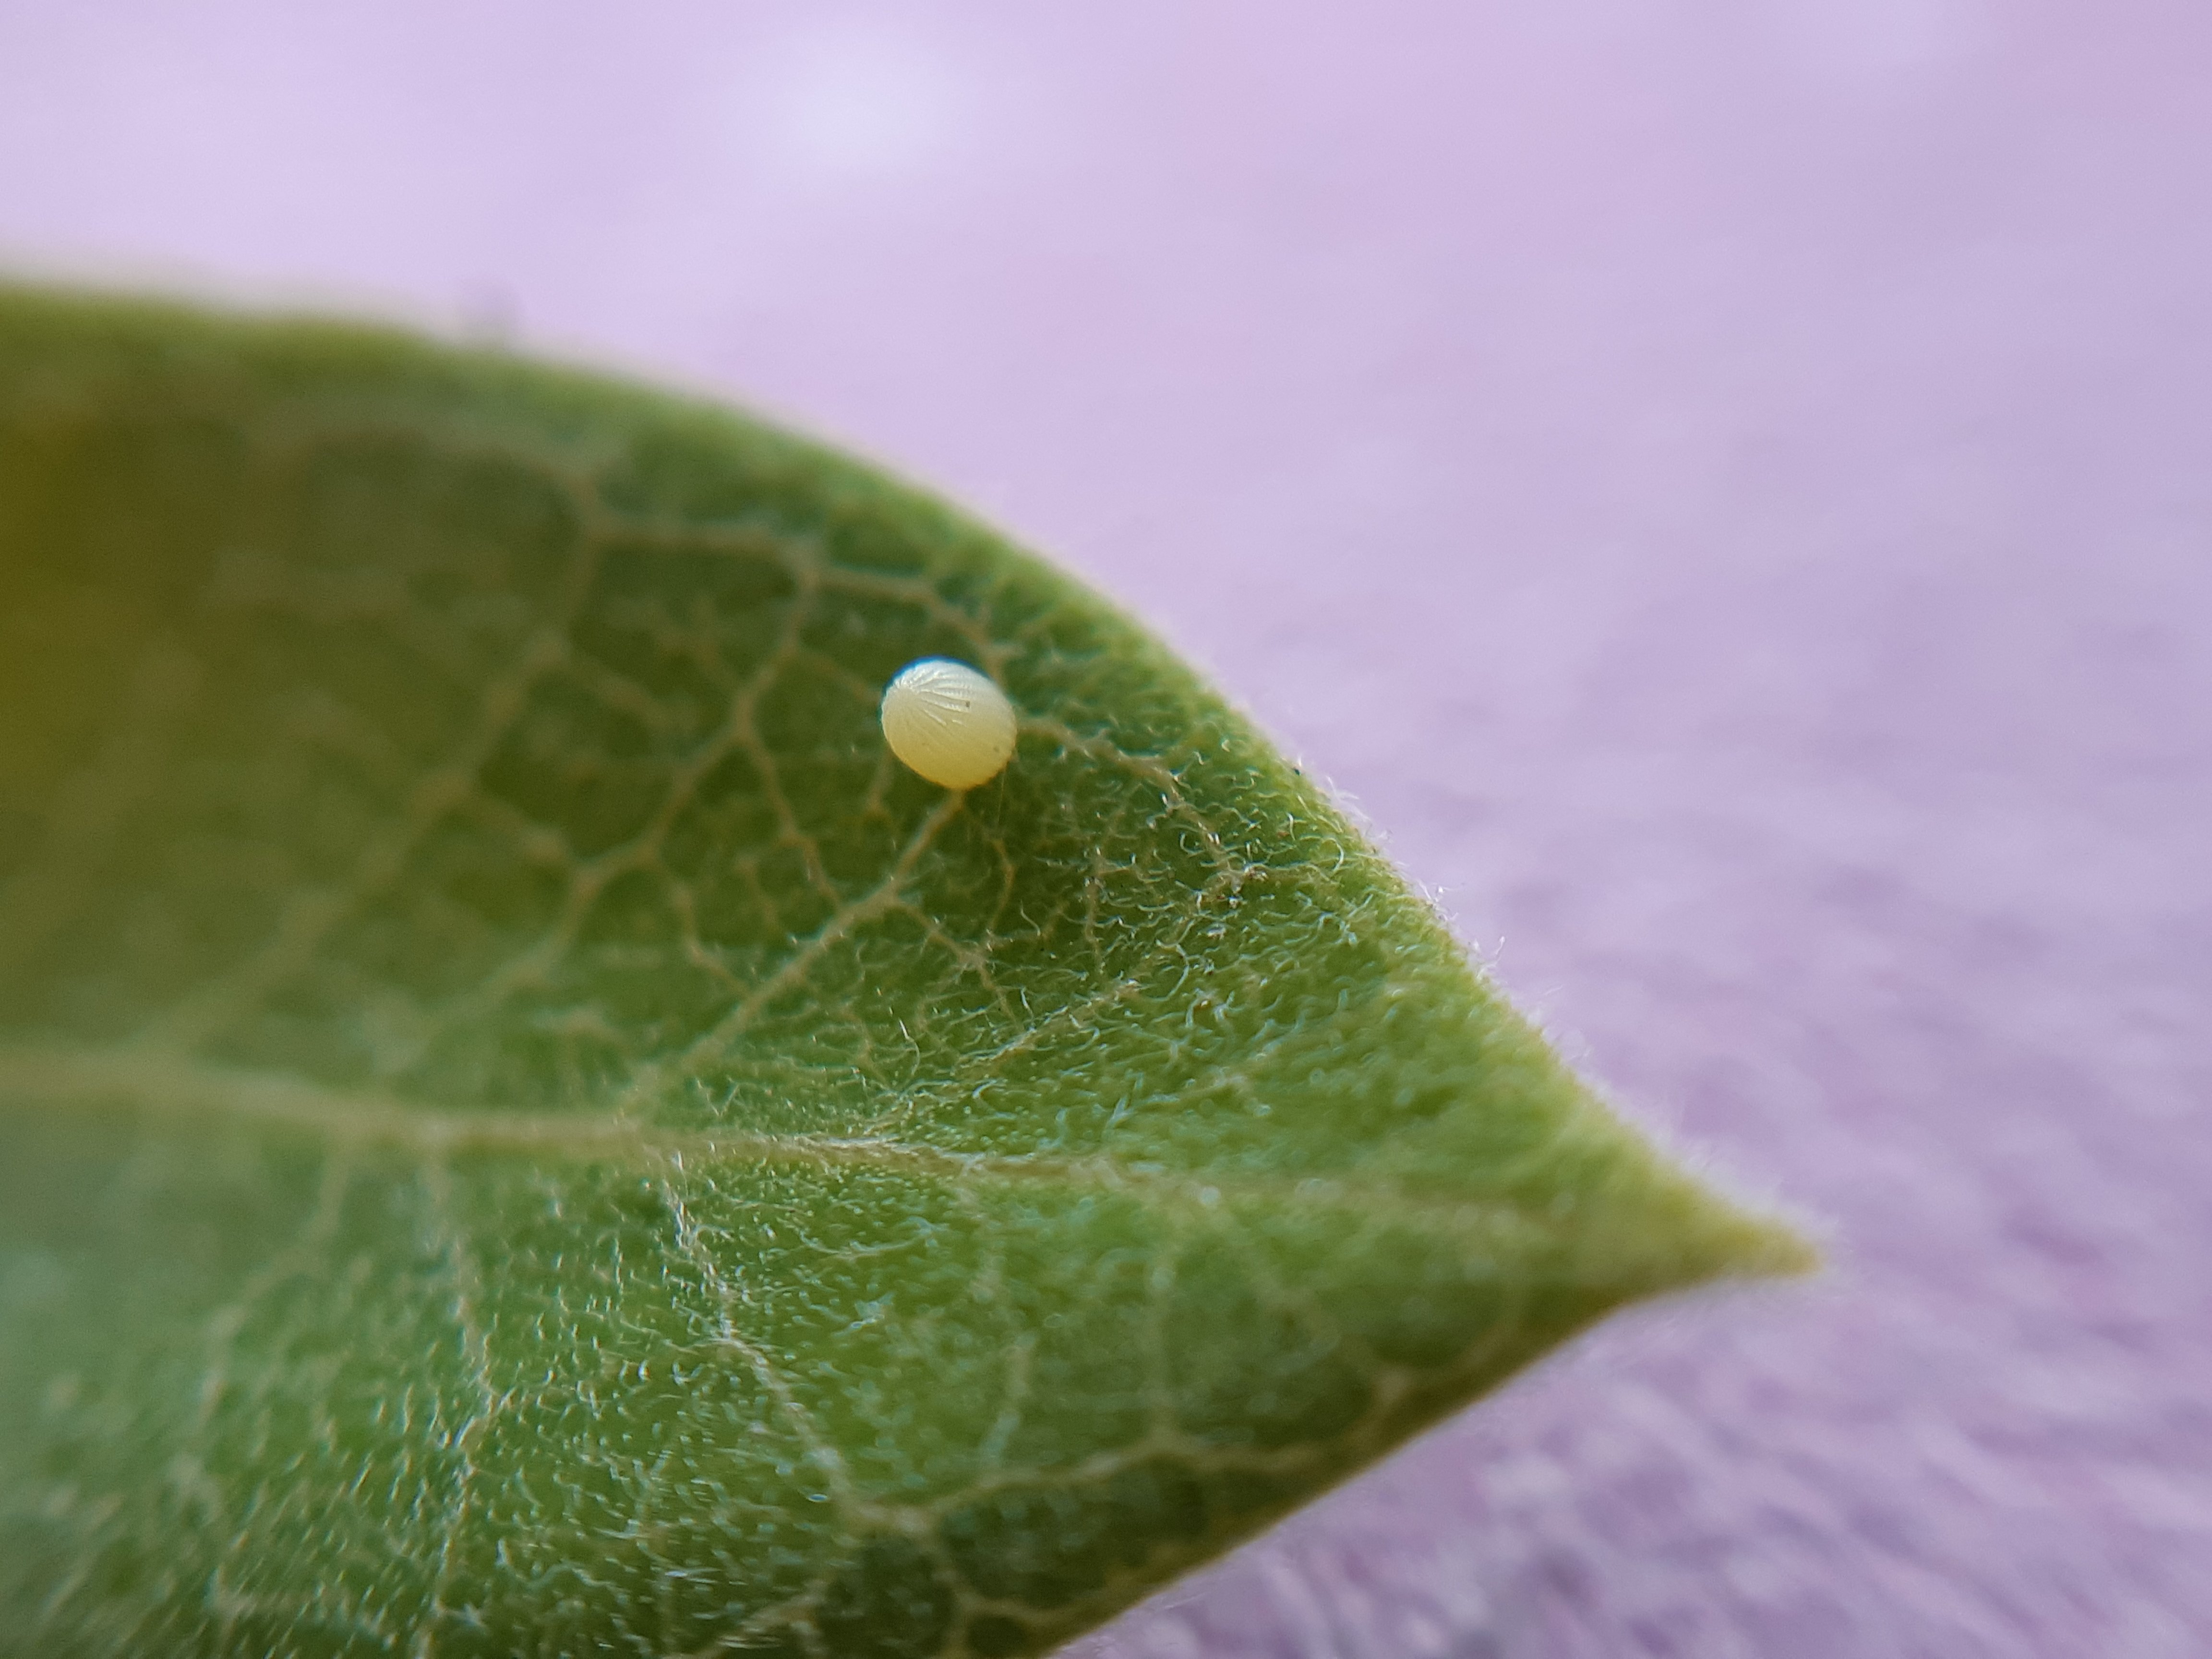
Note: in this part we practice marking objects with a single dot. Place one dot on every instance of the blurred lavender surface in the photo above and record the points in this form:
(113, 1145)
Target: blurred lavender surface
(1726, 489)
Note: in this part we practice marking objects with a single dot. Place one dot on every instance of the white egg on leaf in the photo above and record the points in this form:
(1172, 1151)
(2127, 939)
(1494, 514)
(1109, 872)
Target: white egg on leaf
(949, 722)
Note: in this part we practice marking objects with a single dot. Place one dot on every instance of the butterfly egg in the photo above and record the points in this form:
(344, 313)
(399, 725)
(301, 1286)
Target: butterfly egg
(949, 722)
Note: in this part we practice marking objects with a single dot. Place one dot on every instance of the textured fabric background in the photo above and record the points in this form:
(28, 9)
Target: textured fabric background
(1725, 488)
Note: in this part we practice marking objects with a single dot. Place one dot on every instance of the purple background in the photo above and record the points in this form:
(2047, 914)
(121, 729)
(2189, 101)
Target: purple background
(1726, 489)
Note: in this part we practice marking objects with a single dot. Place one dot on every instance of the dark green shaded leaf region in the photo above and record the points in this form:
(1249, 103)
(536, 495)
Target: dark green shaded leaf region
(524, 1130)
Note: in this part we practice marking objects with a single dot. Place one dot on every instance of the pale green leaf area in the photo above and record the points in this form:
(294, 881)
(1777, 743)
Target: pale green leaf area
(523, 1131)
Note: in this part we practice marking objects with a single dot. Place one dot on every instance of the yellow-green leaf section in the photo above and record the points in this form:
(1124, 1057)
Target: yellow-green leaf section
(523, 1130)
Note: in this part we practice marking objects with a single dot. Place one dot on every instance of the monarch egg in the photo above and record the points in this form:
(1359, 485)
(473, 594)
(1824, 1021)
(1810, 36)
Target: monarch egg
(949, 722)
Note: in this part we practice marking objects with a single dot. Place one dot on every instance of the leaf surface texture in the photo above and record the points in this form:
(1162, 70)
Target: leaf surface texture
(523, 1130)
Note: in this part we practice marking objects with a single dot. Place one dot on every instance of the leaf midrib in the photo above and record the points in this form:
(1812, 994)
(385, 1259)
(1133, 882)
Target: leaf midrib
(187, 1086)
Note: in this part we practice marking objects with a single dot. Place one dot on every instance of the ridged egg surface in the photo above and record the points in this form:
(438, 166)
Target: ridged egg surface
(949, 722)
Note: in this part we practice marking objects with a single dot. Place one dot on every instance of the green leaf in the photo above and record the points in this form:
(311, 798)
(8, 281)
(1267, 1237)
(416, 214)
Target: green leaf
(523, 1130)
